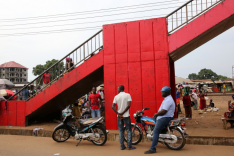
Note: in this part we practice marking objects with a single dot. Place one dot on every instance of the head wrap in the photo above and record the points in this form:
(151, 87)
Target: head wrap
(67, 59)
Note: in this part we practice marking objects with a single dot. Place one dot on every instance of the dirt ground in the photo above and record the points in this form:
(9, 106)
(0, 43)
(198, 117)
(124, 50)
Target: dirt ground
(209, 123)
(12, 145)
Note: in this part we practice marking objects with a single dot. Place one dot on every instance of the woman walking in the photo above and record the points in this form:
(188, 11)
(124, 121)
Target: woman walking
(194, 100)
(202, 101)
(187, 105)
(178, 101)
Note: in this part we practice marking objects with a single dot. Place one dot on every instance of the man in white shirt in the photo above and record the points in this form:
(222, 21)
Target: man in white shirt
(123, 100)
(164, 115)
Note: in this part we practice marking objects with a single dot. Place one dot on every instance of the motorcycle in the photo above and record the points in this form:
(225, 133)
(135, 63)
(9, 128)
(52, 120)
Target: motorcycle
(173, 135)
(85, 129)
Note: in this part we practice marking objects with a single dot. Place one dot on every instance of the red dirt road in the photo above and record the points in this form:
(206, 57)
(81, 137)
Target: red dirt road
(13, 145)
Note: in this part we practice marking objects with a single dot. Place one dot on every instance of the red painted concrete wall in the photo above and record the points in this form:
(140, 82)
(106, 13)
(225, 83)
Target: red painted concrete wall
(14, 115)
(200, 25)
(136, 56)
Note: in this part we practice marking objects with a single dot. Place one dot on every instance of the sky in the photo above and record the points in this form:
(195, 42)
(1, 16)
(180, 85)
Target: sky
(19, 44)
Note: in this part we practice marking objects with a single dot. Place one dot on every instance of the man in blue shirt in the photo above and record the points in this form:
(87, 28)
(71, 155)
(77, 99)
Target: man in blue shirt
(25, 93)
(164, 115)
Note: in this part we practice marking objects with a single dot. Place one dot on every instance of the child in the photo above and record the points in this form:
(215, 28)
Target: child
(211, 103)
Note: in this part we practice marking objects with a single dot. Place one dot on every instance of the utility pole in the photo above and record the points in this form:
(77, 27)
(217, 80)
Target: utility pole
(233, 71)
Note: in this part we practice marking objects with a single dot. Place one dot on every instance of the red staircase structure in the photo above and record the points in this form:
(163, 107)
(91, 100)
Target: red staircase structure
(139, 55)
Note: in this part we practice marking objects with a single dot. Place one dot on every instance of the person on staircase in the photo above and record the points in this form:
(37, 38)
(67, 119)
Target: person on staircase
(46, 79)
(67, 65)
(25, 93)
(95, 103)
(71, 64)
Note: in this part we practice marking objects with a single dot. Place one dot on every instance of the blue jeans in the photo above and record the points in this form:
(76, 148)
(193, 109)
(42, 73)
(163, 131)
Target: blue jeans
(95, 113)
(127, 122)
(159, 126)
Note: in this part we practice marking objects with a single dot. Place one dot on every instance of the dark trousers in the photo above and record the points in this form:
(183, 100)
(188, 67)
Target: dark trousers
(127, 122)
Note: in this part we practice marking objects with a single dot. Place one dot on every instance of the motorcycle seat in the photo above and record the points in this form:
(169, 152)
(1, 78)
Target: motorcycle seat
(87, 121)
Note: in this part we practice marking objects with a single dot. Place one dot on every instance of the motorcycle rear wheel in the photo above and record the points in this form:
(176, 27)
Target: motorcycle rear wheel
(136, 135)
(103, 135)
(180, 140)
(61, 135)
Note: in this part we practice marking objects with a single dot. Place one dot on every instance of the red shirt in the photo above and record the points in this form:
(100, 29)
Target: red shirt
(46, 78)
(93, 98)
(186, 100)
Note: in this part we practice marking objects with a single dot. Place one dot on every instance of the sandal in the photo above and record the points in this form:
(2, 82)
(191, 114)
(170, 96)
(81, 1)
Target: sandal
(132, 148)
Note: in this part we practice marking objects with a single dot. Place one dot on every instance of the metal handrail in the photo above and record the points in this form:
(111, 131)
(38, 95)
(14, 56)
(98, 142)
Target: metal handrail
(188, 12)
(57, 65)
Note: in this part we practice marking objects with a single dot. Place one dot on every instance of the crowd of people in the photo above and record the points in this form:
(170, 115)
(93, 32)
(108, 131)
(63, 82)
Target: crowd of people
(190, 101)
(90, 105)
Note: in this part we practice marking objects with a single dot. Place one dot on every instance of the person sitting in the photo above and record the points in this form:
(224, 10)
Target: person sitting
(164, 115)
(231, 113)
(211, 103)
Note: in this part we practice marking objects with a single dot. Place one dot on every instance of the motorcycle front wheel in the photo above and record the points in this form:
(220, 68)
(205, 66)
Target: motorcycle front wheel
(61, 135)
(180, 140)
(103, 136)
(136, 135)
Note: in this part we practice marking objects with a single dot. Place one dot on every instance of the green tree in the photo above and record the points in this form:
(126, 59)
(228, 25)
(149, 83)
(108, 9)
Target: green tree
(192, 76)
(206, 74)
(55, 71)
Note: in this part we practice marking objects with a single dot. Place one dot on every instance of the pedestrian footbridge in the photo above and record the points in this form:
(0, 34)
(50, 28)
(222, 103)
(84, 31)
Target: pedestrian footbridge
(139, 55)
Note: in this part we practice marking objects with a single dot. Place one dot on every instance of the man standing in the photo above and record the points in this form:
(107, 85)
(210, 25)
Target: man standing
(25, 93)
(95, 103)
(224, 88)
(164, 115)
(123, 100)
(46, 78)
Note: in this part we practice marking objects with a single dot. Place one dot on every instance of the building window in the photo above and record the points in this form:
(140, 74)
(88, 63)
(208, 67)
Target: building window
(3, 69)
(24, 79)
(20, 75)
(24, 74)
(24, 69)
(2, 74)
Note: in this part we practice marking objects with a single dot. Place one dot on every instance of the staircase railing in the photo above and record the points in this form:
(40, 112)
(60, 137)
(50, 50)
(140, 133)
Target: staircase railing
(188, 12)
(80, 54)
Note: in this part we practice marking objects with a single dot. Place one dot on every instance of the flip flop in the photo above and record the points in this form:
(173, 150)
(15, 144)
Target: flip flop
(132, 148)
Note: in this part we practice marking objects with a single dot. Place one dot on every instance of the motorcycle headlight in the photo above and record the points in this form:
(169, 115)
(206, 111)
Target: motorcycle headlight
(134, 115)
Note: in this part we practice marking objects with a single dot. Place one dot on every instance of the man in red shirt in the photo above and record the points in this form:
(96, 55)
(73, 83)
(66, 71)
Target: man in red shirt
(95, 103)
(46, 77)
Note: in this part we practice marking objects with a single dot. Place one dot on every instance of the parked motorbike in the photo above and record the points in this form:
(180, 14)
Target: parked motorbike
(173, 136)
(86, 129)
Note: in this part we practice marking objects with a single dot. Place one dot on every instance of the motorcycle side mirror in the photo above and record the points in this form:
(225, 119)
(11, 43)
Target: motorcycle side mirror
(146, 109)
